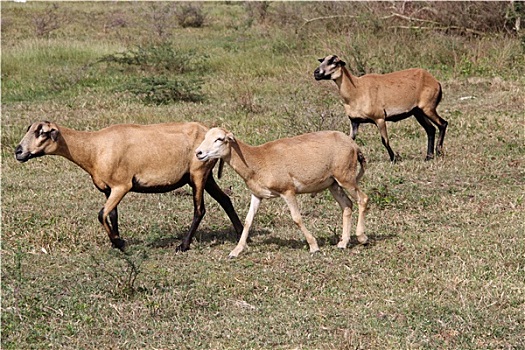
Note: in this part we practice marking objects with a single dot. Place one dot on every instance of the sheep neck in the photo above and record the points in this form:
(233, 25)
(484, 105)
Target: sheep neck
(241, 159)
(347, 84)
(77, 147)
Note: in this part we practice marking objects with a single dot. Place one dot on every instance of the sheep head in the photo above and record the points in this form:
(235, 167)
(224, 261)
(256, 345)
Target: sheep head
(330, 68)
(39, 140)
(216, 145)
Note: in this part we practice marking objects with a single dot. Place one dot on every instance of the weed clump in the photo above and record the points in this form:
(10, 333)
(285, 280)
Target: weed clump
(190, 16)
(163, 90)
(159, 74)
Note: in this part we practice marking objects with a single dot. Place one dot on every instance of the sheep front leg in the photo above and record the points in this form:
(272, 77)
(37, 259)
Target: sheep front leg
(199, 211)
(355, 129)
(381, 125)
(109, 210)
(291, 200)
(254, 206)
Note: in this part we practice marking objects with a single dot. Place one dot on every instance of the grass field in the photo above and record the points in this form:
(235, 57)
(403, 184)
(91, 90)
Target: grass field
(445, 268)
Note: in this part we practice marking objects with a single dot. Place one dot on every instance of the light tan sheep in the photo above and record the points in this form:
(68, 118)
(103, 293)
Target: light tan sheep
(139, 158)
(307, 163)
(378, 98)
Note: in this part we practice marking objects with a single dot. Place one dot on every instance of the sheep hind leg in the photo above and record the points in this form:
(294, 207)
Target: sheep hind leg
(430, 130)
(441, 123)
(346, 205)
(362, 201)
(291, 200)
(225, 202)
(254, 206)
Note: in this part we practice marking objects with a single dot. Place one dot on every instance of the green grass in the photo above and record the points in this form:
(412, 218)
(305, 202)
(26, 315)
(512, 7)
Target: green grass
(445, 266)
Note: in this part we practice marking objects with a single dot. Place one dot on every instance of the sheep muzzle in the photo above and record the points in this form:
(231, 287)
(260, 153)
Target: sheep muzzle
(320, 75)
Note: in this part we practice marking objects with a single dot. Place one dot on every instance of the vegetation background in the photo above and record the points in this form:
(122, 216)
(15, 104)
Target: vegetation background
(446, 266)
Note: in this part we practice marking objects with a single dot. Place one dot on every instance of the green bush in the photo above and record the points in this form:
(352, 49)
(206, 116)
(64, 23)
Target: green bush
(190, 16)
(160, 74)
(164, 90)
(160, 58)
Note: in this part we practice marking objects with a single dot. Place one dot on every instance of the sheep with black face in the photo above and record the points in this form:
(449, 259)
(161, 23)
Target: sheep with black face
(139, 158)
(378, 98)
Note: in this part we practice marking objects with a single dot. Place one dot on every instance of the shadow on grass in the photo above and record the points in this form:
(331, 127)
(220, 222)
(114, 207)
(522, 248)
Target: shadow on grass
(219, 237)
(326, 241)
(210, 237)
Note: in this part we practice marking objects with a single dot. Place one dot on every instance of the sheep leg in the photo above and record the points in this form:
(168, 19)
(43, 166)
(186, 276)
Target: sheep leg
(346, 205)
(198, 213)
(441, 123)
(355, 129)
(216, 193)
(381, 125)
(430, 130)
(114, 196)
(291, 200)
(362, 201)
(254, 206)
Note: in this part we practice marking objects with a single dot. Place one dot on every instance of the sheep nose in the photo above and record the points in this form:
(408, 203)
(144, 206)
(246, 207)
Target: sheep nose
(199, 154)
(19, 154)
(18, 151)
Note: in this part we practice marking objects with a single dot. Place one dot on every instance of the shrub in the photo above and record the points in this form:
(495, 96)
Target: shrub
(157, 59)
(47, 21)
(160, 74)
(190, 16)
(164, 90)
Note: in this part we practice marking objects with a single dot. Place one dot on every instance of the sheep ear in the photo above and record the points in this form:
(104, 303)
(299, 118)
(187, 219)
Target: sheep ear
(230, 137)
(321, 60)
(54, 134)
(339, 62)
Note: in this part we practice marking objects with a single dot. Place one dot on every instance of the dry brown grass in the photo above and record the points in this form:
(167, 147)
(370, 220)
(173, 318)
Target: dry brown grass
(445, 268)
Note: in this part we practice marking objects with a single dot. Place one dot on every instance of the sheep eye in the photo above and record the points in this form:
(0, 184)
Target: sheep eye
(220, 139)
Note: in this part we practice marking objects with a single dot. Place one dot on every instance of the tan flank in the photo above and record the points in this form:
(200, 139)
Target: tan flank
(137, 158)
(307, 163)
(378, 98)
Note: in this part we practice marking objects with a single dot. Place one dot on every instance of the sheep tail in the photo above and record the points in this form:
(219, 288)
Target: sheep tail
(362, 161)
(221, 166)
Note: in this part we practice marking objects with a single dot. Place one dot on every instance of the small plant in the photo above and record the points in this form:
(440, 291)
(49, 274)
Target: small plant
(257, 10)
(161, 15)
(128, 271)
(163, 90)
(382, 197)
(159, 73)
(190, 16)
(160, 58)
(47, 21)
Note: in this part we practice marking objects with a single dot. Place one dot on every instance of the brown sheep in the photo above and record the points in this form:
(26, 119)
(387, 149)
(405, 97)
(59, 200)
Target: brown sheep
(377, 98)
(139, 158)
(307, 163)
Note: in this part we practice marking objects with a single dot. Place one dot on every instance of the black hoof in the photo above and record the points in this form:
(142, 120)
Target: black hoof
(182, 248)
(118, 243)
